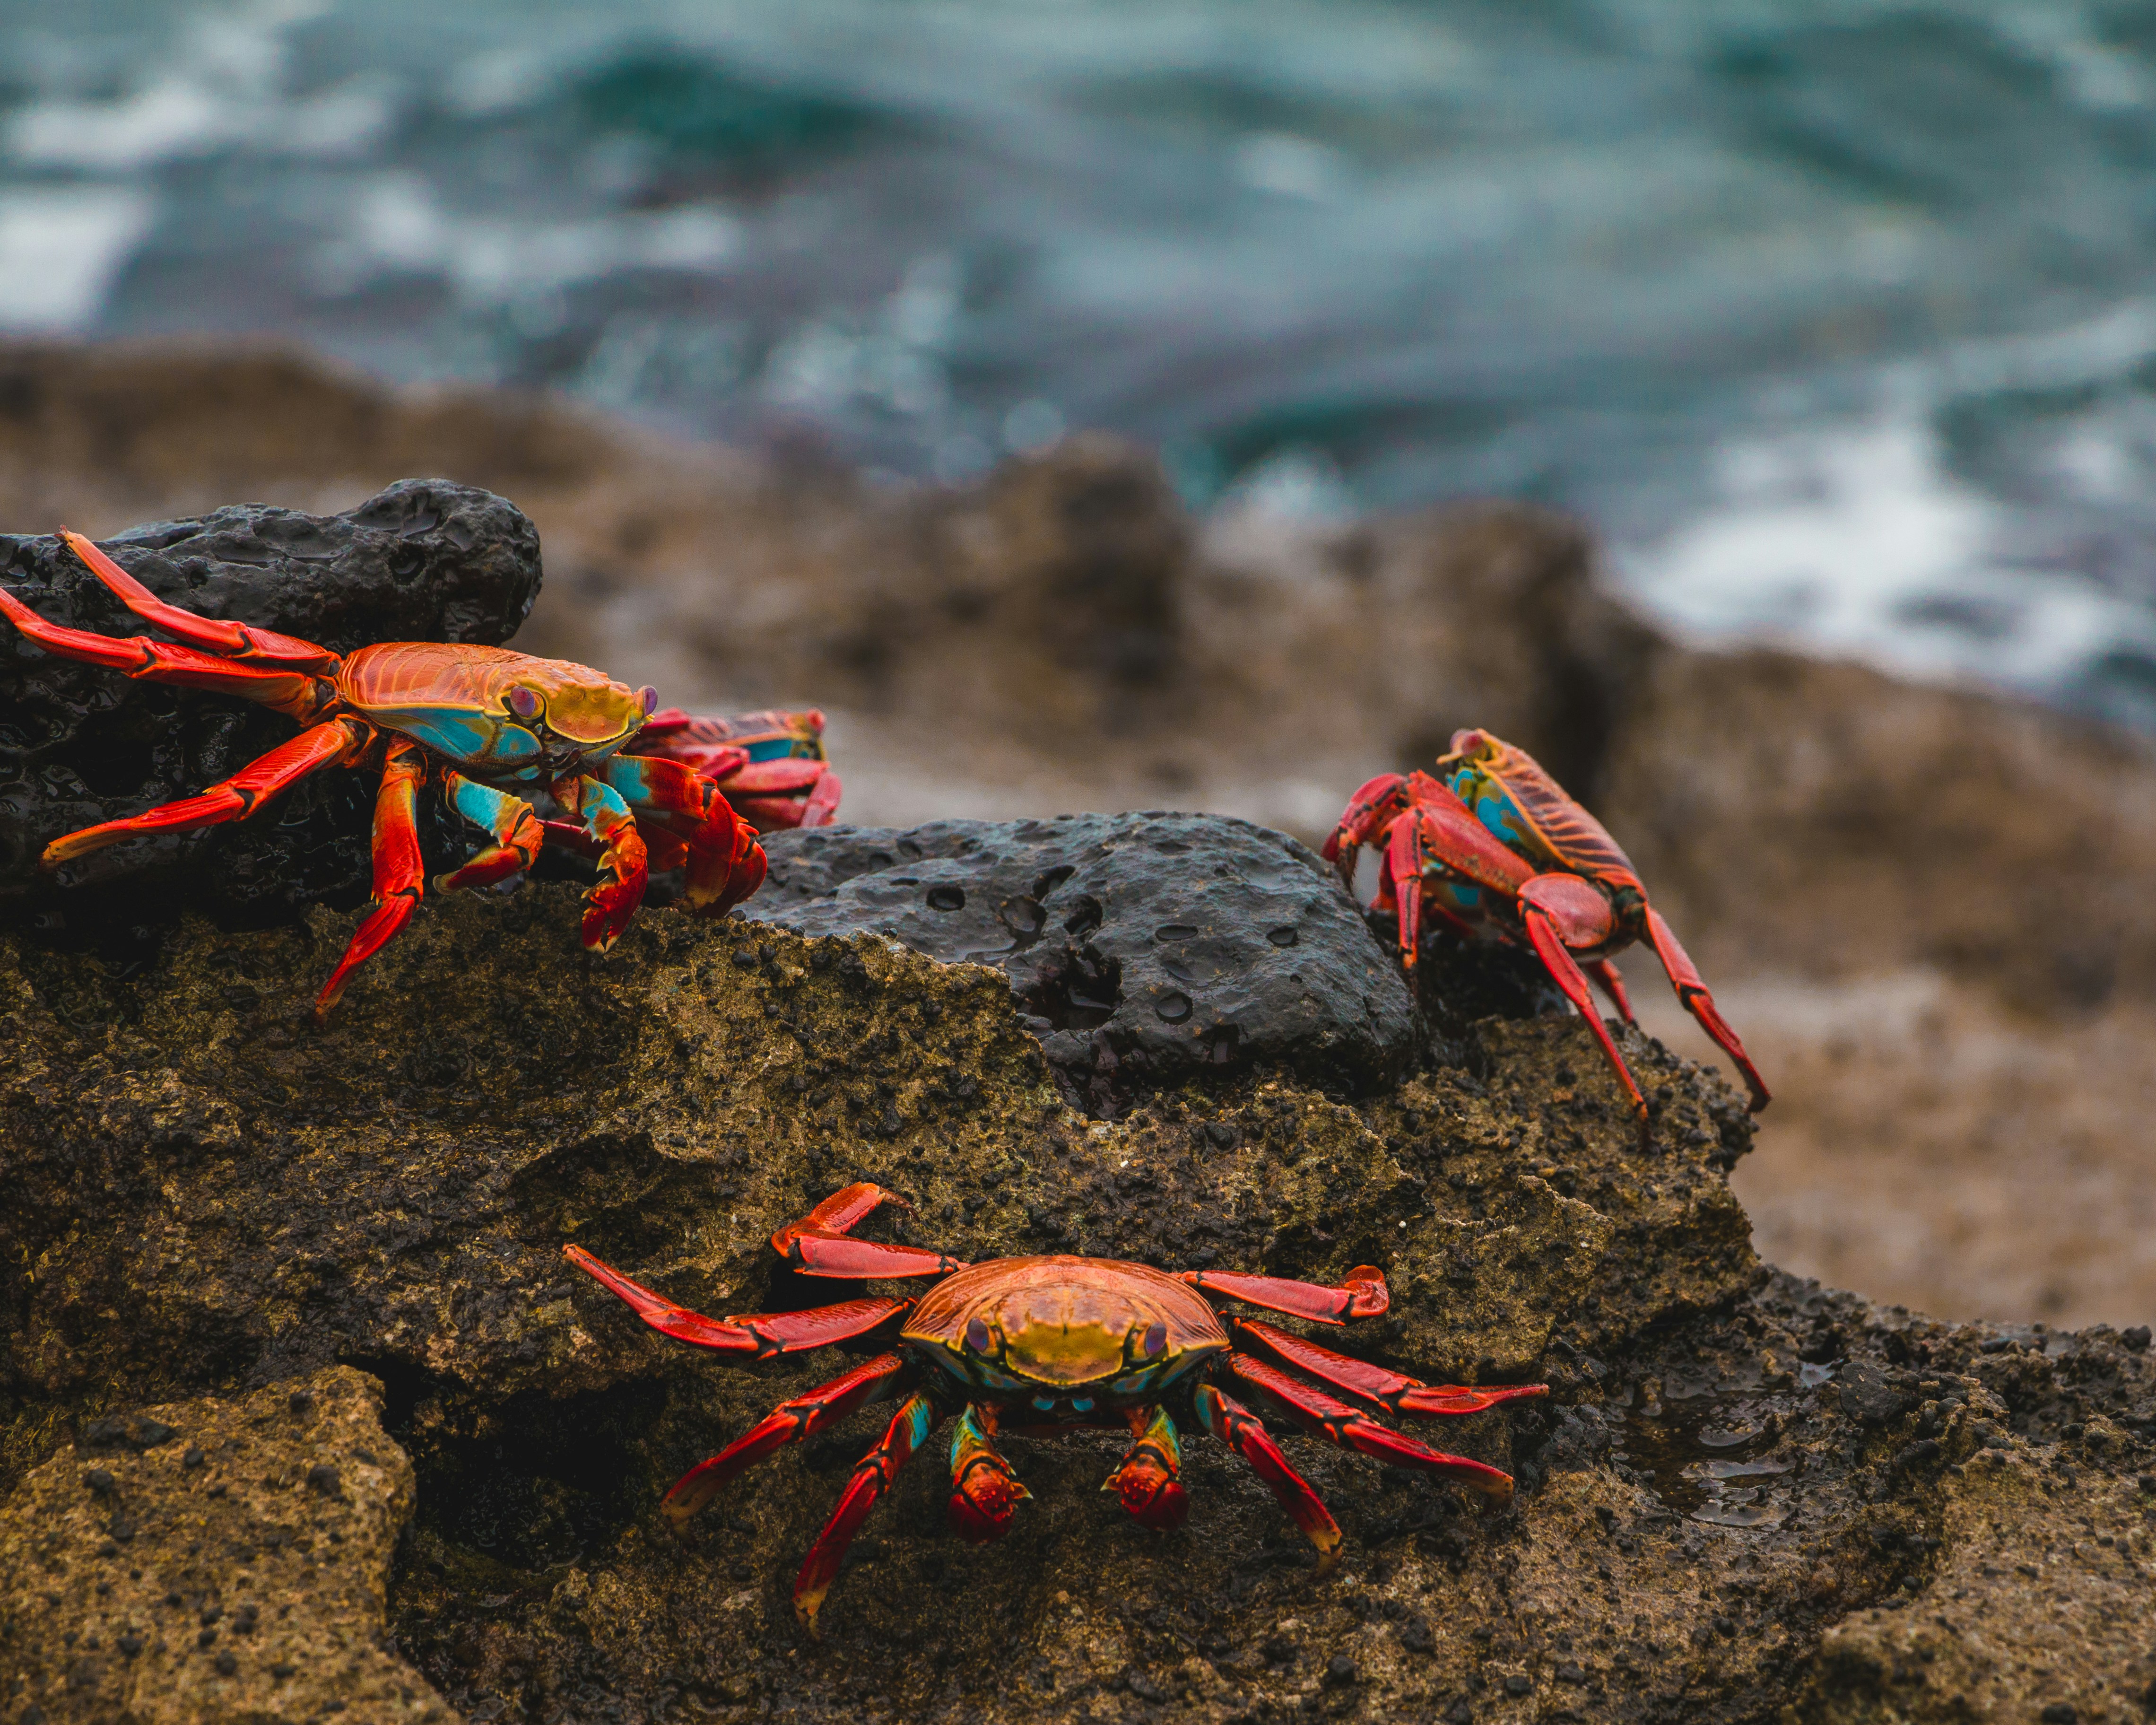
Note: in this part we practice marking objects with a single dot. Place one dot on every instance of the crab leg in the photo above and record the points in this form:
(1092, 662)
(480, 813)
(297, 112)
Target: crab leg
(1241, 1431)
(1375, 805)
(726, 864)
(1335, 1421)
(1605, 974)
(984, 1490)
(783, 794)
(516, 832)
(337, 743)
(791, 1422)
(873, 1473)
(295, 694)
(1148, 1479)
(398, 872)
(1548, 904)
(1441, 832)
(1363, 1295)
(757, 1334)
(1387, 1392)
(818, 1244)
(1692, 993)
(235, 640)
(619, 890)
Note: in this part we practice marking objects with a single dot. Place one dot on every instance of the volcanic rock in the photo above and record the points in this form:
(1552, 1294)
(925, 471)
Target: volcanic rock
(1141, 947)
(211, 1202)
(424, 559)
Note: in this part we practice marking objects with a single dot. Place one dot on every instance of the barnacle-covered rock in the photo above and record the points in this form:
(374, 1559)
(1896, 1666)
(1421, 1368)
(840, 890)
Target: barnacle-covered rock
(426, 560)
(1745, 1492)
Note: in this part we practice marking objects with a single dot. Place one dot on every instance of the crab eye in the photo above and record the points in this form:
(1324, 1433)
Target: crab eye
(1156, 1341)
(650, 697)
(977, 1336)
(524, 702)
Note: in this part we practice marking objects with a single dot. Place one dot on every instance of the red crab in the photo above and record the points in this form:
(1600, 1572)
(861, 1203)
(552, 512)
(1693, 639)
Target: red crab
(770, 766)
(480, 723)
(1041, 1345)
(1495, 839)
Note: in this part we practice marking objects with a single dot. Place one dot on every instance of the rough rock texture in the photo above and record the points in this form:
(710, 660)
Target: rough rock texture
(207, 1561)
(1735, 1471)
(1142, 947)
(424, 559)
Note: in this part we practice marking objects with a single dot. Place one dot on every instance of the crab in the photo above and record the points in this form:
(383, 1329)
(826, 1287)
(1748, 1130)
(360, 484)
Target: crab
(1044, 1345)
(770, 766)
(481, 724)
(1494, 840)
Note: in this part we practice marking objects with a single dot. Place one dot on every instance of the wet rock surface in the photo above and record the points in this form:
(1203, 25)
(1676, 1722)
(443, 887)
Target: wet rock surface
(1745, 1494)
(212, 1560)
(423, 560)
(1141, 947)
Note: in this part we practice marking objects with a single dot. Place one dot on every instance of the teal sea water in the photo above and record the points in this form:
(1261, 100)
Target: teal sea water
(1838, 318)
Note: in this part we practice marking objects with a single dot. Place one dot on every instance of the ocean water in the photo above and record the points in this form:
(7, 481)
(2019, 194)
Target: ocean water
(1838, 317)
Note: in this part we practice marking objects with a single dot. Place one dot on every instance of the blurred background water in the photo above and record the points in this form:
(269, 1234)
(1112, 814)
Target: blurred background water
(1837, 317)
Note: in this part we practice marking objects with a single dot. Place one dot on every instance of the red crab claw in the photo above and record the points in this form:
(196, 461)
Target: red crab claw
(1147, 1481)
(984, 1491)
(1368, 811)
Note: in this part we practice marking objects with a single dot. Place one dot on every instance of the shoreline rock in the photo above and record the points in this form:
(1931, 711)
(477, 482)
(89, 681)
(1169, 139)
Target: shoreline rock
(1746, 1493)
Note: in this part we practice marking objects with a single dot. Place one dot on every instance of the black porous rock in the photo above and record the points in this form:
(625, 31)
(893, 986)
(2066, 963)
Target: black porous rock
(426, 560)
(1145, 947)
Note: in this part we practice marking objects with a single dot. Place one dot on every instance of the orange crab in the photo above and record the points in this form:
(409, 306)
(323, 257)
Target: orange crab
(480, 723)
(1041, 1345)
(1495, 841)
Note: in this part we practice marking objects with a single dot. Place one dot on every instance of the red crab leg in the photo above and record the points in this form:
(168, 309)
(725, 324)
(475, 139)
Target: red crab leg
(873, 1474)
(1605, 973)
(623, 871)
(1378, 802)
(337, 743)
(1362, 1295)
(841, 1213)
(1385, 1391)
(294, 694)
(516, 832)
(759, 1334)
(726, 864)
(235, 640)
(1241, 1431)
(791, 1422)
(1692, 993)
(1554, 910)
(398, 871)
(1335, 1421)
(1148, 1479)
(984, 1490)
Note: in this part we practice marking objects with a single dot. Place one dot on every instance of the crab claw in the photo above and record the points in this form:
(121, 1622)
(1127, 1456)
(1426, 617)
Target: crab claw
(1367, 812)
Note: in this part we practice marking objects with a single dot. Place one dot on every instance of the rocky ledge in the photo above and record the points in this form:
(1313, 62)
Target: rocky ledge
(272, 1300)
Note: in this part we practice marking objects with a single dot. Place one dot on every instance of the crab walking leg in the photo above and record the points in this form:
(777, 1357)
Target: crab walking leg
(817, 1244)
(841, 1213)
(1149, 1478)
(236, 640)
(758, 1334)
(517, 835)
(791, 1422)
(873, 1473)
(984, 1490)
(337, 743)
(1336, 1422)
(1386, 1391)
(1363, 1295)
(398, 872)
(619, 890)
(1237, 1427)
(1692, 993)
(1606, 977)
(1551, 909)
(725, 863)
(295, 694)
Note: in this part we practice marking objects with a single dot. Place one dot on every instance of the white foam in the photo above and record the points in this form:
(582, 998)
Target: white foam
(1853, 540)
(61, 249)
(397, 227)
